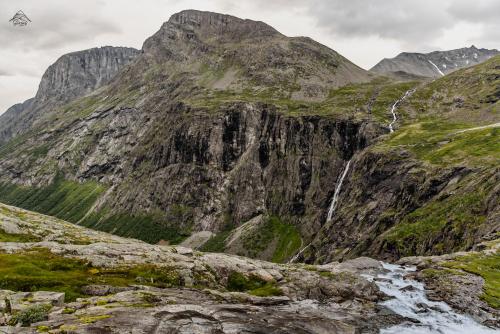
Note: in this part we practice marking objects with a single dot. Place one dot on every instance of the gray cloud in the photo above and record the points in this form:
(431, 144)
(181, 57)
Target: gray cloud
(406, 21)
(413, 24)
(57, 23)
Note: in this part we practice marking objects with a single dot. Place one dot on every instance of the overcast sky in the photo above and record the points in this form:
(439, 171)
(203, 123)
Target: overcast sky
(365, 31)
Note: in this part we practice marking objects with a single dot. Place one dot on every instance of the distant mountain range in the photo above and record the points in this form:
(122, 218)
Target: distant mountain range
(434, 64)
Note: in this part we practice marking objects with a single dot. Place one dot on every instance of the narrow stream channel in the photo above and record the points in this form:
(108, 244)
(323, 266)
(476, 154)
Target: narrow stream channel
(410, 301)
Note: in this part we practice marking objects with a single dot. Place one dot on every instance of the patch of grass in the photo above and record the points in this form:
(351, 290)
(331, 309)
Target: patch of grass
(441, 143)
(488, 267)
(63, 199)
(8, 237)
(217, 243)
(31, 315)
(68, 310)
(285, 236)
(253, 285)
(94, 318)
(42, 270)
(147, 227)
(289, 240)
(441, 225)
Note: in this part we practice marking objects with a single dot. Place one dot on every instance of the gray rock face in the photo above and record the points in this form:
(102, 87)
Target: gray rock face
(71, 76)
(434, 64)
(79, 73)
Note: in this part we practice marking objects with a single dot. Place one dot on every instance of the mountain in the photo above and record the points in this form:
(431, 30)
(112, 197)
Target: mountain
(267, 146)
(434, 64)
(228, 137)
(71, 76)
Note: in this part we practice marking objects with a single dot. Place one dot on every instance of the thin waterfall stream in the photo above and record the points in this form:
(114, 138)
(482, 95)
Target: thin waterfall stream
(335, 198)
(395, 106)
(331, 209)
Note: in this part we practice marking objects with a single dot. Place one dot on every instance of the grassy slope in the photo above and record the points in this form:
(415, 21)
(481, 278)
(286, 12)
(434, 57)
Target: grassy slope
(437, 113)
(63, 199)
(283, 238)
(488, 267)
(41, 270)
(72, 201)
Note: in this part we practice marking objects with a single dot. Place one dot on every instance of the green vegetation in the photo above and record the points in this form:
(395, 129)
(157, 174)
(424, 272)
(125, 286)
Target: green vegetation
(42, 270)
(253, 285)
(151, 228)
(355, 100)
(386, 97)
(70, 201)
(217, 243)
(441, 143)
(488, 267)
(451, 218)
(92, 319)
(31, 315)
(288, 239)
(8, 237)
(63, 199)
(283, 237)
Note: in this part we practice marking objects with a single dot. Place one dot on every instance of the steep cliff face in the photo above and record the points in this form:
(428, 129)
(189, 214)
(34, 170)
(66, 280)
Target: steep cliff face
(79, 73)
(71, 76)
(434, 64)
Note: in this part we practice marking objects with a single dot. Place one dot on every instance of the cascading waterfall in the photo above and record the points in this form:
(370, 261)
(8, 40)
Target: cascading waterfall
(335, 198)
(409, 300)
(395, 106)
(331, 210)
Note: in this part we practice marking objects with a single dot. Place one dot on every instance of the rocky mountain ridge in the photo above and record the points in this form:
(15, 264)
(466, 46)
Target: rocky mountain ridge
(71, 76)
(434, 64)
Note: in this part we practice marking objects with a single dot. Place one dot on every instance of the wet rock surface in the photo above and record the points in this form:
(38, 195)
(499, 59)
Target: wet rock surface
(462, 290)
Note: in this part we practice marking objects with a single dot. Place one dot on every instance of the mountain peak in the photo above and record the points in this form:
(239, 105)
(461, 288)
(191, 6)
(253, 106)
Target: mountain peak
(211, 23)
(434, 64)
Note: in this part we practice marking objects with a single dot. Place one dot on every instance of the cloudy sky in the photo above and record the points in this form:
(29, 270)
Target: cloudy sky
(365, 31)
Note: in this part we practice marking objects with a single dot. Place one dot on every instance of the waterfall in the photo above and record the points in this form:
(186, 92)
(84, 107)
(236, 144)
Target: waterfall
(331, 210)
(410, 301)
(394, 107)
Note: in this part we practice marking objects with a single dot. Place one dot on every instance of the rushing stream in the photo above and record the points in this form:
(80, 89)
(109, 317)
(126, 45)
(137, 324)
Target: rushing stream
(410, 301)
(395, 106)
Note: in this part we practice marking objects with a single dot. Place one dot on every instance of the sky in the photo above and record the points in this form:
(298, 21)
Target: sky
(365, 31)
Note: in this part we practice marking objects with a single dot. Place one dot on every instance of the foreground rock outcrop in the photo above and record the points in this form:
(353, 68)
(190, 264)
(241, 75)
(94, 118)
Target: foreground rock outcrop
(170, 289)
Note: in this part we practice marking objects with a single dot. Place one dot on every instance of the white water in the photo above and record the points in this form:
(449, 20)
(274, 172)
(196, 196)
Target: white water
(331, 210)
(437, 68)
(394, 107)
(431, 317)
(335, 198)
